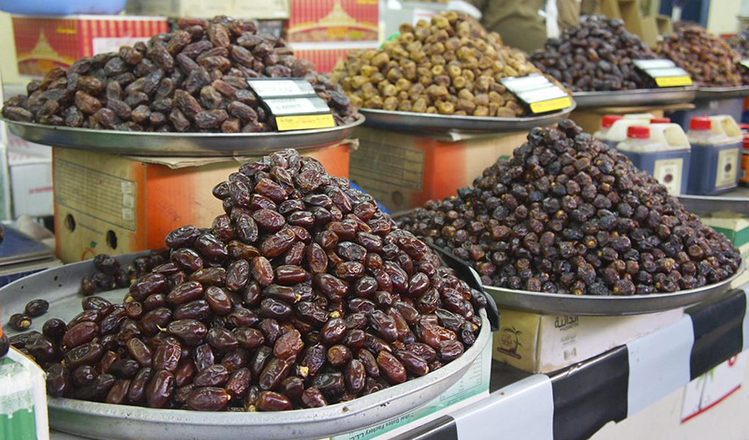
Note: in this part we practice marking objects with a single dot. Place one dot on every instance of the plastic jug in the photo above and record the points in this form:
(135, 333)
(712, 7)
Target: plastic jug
(662, 150)
(716, 150)
(618, 131)
(661, 121)
(606, 122)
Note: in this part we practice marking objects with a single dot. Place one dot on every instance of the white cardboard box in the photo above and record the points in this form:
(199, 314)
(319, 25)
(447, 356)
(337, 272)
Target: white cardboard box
(31, 185)
(546, 343)
(256, 9)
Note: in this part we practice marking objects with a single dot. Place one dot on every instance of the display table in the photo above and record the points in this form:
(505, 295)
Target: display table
(578, 401)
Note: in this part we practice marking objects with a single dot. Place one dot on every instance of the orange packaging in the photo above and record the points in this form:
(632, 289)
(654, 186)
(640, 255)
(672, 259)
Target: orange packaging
(325, 56)
(333, 20)
(403, 171)
(45, 43)
(118, 204)
(744, 171)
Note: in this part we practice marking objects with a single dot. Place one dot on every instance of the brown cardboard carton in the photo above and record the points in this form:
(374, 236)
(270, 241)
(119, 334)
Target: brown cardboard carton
(118, 204)
(402, 171)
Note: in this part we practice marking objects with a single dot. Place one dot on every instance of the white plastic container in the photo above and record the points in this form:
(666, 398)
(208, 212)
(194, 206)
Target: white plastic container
(606, 122)
(662, 150)
(716, 149)
(618, 131)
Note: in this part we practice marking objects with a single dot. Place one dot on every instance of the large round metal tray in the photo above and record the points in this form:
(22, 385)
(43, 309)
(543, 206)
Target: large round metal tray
(587, 305)
(433, 123)
(722, 92)
(735, 201)
(102, 421)
(179, 144)
(638, 97)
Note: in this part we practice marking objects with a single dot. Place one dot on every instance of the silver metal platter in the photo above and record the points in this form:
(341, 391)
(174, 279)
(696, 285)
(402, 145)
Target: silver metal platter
(722, 92)
(179, 144)
(735, 201)
(637, 97)
(587, 305)
(431, 123)
(102, 421)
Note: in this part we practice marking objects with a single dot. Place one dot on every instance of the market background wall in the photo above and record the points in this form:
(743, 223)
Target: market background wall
(721, 19)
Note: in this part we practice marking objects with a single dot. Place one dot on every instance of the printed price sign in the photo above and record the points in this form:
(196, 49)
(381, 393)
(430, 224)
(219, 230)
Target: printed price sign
(664, 73)
(540, 95)
(281, 87)
(293, 103)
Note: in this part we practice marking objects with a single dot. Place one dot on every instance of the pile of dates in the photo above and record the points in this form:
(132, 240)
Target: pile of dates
(450, 65)
(740, 44)
(191, 80)
(302, 294)
(597, 55)
(566, 214)
(709, 60)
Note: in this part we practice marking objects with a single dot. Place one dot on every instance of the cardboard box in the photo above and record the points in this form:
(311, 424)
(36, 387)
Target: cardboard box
(45, 43)
(590, 118)
(257, 9)
(325, 56)
(118, 204)
(473, 386)
(546, 343)
(30, 174)
(333, 20)
(402, 171)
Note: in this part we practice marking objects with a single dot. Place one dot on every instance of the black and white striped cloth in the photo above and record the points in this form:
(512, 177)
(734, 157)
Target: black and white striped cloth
(574, 403)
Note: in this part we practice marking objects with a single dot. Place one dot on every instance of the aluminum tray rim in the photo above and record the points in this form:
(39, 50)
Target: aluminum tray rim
(179, 144)
(607, 305)
(672, 95)
(448, 374)
(722, 92)
(114, 422)
(412, 121)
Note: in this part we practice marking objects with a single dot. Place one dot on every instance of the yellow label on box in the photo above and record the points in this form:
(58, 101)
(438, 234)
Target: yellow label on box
(551, 105)
(304, 122)
(673, 81)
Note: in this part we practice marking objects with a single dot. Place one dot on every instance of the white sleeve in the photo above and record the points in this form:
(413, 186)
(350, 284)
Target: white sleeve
(552, 19)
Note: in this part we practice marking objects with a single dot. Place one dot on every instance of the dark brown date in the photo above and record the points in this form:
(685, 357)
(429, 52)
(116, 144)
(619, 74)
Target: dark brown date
(208, 399)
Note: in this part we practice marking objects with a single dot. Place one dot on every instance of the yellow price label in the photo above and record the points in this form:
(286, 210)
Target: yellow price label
(304, 122)
(551, 105)
(673, 81)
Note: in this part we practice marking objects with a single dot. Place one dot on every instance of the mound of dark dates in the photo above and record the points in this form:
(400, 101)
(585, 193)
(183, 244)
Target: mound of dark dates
(301, 295)
(568, 215)
(191, 80)
(596, 55)
(709, 60)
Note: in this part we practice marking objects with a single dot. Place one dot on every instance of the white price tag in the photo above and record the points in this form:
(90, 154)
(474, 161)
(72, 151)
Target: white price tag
(664, 72)
(279, 88)
(654, 64)
(296, 106)
(538, 93)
